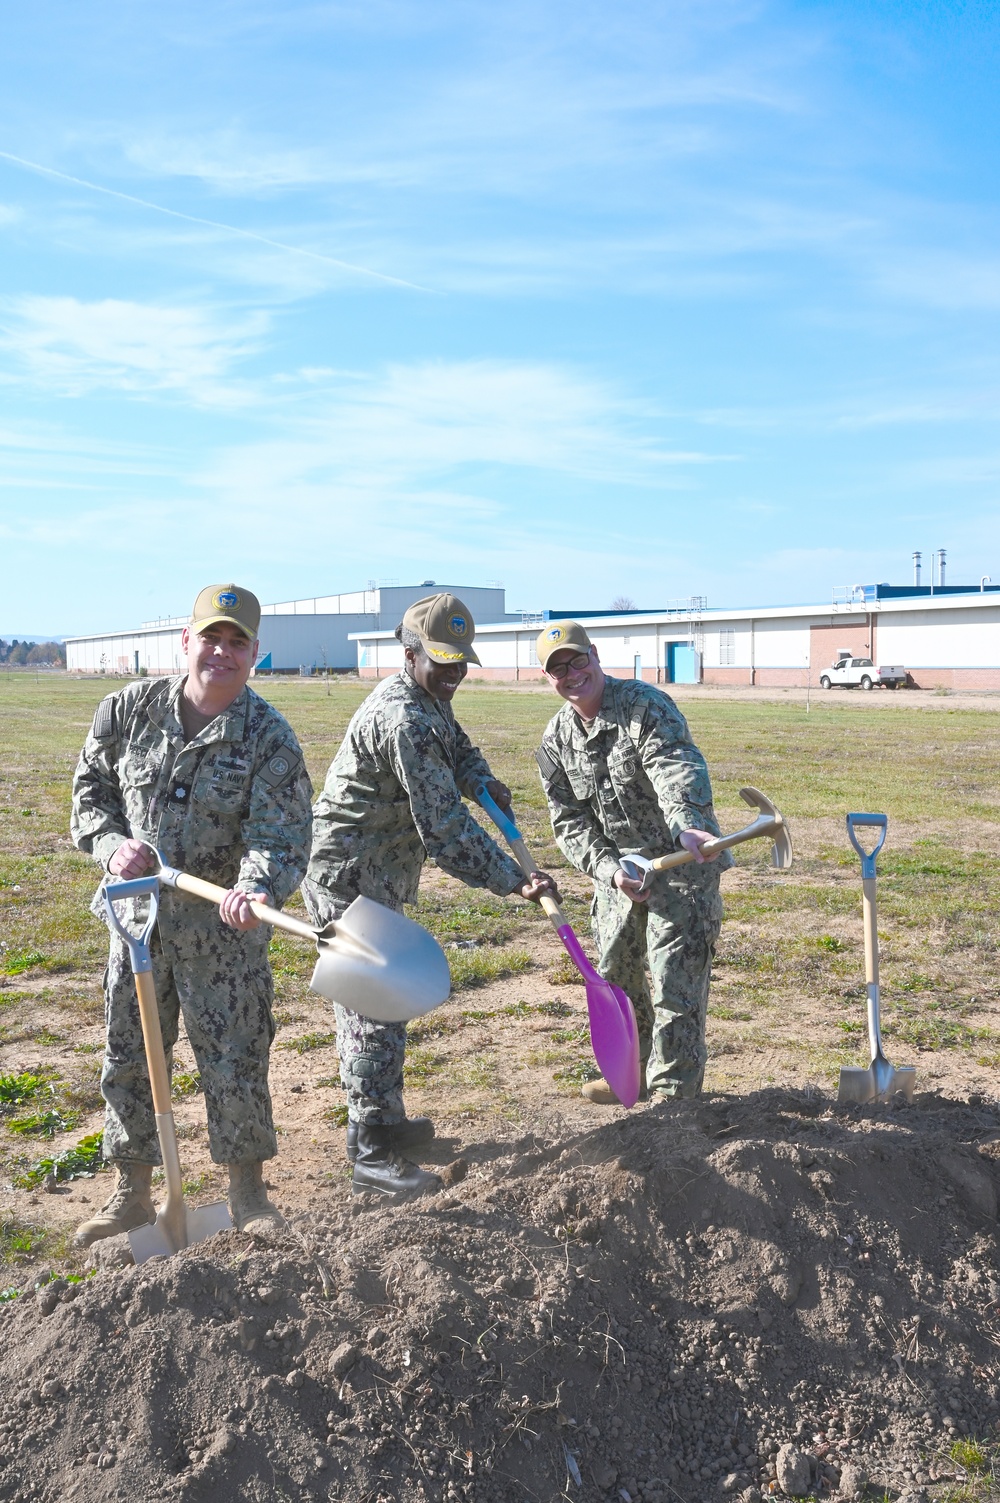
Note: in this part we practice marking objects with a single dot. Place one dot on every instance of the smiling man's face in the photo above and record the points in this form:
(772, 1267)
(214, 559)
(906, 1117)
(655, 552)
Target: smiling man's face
(219, 660)
(582, 683)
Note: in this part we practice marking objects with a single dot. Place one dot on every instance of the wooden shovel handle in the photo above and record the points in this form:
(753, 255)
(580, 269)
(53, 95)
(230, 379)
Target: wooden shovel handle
(524, 861)
(152, 1034)
(173, 1215)
(766, 825)
(199, 888)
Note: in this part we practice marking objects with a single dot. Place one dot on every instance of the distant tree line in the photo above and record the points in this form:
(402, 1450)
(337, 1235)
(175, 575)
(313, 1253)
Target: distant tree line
(18, 654)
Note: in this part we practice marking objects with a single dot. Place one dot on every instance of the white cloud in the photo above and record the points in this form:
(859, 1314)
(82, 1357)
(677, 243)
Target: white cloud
(386, 438)
(70, 346)
(227, 160)
(486, 468)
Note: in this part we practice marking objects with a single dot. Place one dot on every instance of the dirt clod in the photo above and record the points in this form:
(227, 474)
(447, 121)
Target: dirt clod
(793, 1471)
(343, 1359)
(853, 1481)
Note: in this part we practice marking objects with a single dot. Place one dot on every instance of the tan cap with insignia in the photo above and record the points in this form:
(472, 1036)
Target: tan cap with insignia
(560, 634)
(227, 602)
(445, 627)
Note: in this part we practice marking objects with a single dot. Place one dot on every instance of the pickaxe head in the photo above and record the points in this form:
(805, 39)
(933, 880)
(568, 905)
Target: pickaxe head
(781, 851)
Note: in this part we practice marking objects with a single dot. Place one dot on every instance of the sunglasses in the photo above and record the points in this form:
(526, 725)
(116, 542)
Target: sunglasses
(560, 670)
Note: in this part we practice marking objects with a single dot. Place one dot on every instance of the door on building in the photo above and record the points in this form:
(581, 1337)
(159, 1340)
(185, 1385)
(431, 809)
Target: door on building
(637, 666)
(682, 663)
(136, 657)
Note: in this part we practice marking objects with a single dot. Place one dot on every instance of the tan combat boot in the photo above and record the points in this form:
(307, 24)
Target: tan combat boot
(131, 1205)
(600, 1093)
(248, 1202)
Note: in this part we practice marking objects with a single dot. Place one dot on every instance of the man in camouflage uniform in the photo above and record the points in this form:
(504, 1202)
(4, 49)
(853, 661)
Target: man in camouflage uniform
(200, 768)
(622, 776)
(393, 796)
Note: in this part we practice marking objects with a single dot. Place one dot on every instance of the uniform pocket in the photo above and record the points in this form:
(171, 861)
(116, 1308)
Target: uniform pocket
(581, 783)
(139, 786)
(222, 796)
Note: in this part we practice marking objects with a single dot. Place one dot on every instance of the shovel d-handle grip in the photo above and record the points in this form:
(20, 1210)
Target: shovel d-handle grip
(138, 944)
(874, 821)
(199, 888)
(768, 824)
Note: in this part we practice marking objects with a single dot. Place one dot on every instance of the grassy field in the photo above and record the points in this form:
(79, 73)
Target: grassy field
(788, 1001)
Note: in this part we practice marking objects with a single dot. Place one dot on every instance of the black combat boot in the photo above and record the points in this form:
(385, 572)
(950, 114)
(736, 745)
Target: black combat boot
(397, 1136)
(378, 1168)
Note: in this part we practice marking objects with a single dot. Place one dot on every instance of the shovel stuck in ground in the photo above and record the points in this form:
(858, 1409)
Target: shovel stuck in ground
(176, 1225)
(880, 1081)
(372, 960)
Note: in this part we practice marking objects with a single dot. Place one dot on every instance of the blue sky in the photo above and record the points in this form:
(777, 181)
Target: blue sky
(644, 299)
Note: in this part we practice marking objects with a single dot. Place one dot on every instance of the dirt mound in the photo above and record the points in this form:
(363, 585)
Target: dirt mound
(683, 1304)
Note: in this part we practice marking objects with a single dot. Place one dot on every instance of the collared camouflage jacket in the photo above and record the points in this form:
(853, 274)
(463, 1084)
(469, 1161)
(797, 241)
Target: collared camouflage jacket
(393, 796)
(231, 805)
(632, 781)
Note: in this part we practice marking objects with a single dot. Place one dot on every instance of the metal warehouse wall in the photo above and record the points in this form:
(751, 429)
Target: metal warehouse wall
(312, 641)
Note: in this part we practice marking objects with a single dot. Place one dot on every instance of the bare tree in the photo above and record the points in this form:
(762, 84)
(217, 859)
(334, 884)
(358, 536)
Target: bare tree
(623, 603)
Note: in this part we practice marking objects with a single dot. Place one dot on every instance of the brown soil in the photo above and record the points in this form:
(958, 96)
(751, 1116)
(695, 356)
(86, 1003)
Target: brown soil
(654, 1301)
(645, 1309)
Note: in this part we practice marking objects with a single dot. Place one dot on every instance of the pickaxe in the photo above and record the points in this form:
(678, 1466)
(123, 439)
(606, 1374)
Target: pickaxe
(768, 823)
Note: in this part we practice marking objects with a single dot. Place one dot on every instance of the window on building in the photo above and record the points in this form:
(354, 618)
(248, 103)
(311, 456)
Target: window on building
(727, 646)
(532, 655)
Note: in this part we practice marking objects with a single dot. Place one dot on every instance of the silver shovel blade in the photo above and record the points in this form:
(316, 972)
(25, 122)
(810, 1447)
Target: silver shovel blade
(380, 964)
(201, 1222)
(858, 1086)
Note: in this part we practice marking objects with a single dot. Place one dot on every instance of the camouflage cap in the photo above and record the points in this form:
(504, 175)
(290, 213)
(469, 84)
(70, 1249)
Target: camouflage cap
(227, 602)
(444, 626)
(560, 634)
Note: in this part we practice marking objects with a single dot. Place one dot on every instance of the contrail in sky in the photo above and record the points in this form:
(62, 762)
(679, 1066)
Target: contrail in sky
(231, 229)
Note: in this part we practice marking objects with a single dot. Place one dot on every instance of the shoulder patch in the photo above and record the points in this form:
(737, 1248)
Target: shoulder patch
(547, 764)
(104, 719)
(280, 768)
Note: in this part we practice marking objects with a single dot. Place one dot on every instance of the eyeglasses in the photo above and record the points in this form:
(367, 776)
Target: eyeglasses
(560, 670)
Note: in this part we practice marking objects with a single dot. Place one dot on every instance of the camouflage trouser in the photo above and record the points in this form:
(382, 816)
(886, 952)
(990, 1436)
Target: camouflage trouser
(225, 997)
(674, 937)
(371, 1054)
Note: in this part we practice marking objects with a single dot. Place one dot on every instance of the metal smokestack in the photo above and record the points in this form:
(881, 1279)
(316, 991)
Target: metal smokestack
(916, 568)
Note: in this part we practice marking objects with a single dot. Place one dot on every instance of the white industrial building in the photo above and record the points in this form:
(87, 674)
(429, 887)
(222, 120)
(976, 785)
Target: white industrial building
(945, 637)
(314, 633)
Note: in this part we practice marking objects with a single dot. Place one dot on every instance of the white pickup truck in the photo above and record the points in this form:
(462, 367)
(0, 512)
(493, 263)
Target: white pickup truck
(861, 673)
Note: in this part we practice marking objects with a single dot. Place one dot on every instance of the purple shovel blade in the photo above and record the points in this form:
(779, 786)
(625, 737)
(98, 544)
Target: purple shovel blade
(614, 1036)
